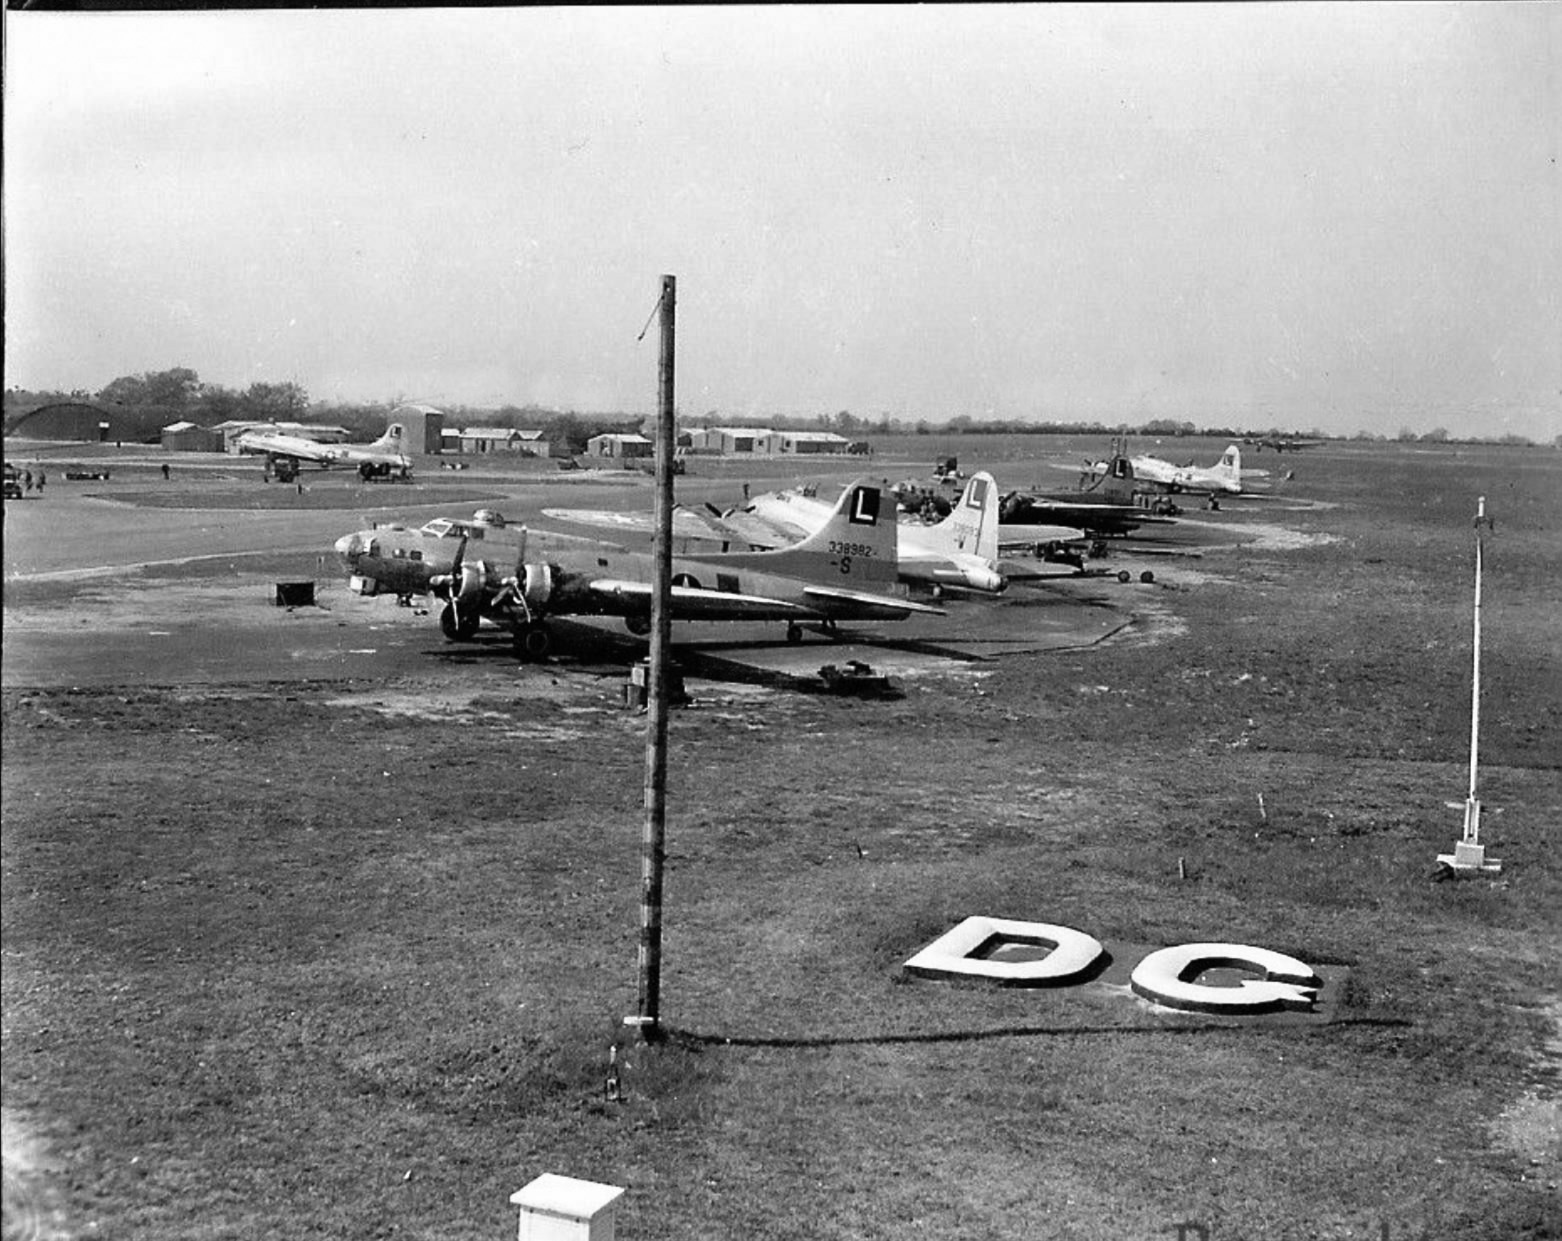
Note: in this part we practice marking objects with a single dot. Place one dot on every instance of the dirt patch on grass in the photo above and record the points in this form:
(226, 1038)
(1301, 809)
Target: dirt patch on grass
(32, 1208)
(1531, 1126)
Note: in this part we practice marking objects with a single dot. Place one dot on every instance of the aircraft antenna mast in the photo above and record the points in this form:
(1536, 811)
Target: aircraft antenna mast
(653, 846)
(1469, 855)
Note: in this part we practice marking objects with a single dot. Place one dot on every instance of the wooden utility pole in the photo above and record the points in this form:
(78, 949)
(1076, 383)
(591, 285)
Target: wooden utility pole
(653, 844)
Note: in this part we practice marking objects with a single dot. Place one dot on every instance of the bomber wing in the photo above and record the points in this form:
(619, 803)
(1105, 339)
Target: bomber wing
(761, 531)
(697, 603)
(688, 523)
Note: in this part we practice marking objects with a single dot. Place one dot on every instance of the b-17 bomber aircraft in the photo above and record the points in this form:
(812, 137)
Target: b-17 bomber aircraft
(1224, 476)
(960, 552)
(1280, 443)
(835, 575)
(1105, 508)
(386, 457)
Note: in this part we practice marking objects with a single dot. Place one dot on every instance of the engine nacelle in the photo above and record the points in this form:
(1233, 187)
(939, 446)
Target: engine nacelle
(468, 582)
(537, 586)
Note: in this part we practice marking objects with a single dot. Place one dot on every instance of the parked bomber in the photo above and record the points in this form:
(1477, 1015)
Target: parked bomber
(960, 552)
(1224, 476)
(1107, 506)
(386, 457)
(835, 575)
(1279, 443)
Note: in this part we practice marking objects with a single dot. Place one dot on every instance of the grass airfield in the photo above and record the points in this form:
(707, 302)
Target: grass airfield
(339, 949)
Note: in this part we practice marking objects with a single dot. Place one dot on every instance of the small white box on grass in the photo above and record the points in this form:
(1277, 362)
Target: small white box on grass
(562, 1208)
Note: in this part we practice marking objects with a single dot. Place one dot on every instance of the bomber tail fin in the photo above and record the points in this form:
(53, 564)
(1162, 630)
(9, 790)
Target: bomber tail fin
(1229, 467)
(972, 524)
(1117, 484)
(394, 439)
(858, 545)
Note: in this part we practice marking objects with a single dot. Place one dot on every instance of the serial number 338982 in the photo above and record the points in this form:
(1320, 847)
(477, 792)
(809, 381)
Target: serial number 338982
(850, 549)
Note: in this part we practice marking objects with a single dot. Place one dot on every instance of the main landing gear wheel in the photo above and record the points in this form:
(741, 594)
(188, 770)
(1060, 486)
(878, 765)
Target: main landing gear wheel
(533, 641)
(455, 626)
(1147, 577)
(794, 633)
(1123, 575)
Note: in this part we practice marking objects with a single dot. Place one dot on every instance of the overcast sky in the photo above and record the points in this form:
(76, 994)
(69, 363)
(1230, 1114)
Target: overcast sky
(1338, 216)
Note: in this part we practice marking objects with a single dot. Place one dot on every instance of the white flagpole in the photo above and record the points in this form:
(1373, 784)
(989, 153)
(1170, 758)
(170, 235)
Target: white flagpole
(1472, 805)
(1469, 855)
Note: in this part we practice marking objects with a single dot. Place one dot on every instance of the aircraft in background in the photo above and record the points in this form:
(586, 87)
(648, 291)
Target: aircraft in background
(386, 457)
(1104, 507)
(1224, 476)
(828, 578)
(1280, 443)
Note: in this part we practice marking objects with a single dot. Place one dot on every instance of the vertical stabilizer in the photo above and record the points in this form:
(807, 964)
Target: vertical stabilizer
(858, 545)
(972, 525)
(1117, 484)
(1229, 467)
(394, 439)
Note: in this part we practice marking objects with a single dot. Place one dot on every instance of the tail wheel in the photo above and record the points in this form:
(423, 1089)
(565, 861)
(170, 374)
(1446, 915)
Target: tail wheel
(533, 641)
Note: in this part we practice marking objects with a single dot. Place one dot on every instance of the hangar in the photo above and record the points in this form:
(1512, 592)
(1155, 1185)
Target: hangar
(75, 420)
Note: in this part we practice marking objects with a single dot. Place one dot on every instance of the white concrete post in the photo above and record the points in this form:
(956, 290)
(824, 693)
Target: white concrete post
(562, 1208)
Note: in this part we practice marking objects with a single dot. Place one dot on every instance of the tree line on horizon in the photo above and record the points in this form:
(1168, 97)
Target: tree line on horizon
(181, 395)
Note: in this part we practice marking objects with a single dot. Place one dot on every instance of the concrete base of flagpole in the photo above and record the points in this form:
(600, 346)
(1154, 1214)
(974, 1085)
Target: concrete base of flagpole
(1469, 860)
(1469, 856)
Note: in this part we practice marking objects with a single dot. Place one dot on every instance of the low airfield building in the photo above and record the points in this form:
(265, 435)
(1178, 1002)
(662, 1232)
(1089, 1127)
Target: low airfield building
(187, 437)
(630, 447)
(763, 442)
(494, 439)
(806, 443)
(728, 441)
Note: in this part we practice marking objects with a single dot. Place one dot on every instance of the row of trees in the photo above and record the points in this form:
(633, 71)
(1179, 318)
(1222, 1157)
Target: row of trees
(179, 393)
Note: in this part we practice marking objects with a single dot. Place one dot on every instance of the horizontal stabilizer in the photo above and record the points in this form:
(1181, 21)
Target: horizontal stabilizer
(866, 598)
